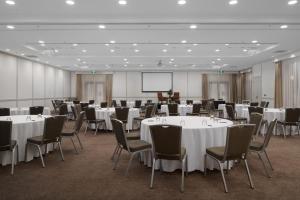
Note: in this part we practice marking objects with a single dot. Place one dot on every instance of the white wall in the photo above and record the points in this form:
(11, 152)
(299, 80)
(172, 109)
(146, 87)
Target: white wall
(27, 83)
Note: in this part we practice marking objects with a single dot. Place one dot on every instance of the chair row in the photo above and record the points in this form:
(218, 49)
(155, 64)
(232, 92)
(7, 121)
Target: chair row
(33, 110)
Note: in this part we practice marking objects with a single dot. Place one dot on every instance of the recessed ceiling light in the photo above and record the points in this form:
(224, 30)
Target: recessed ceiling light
(175, 65)
(75, 45)
(125, 59)
(276, 60)
(254, 41)
(42, 44)
(112, 41)
(141, 65)
(233, 2)
(257, 44)
(107, 45)
(292, 2)
(10, 27)
(22, 54)
(127, 62)
(219, 59)
(183, 41)
(70, 2)
(136, 50)
(101, 26)
(172, 59)
(83, 62)
(84, 67)
(78, 59)
(213, 62)
(11, 3)
(125, 65)
(181, 2)
(217, 50)
(226, 44)
(41, 41)
(122, 2)
(134, 44)
(84, 50)
(193, 65)
(245, 50)
(55, 50)
(189, 50)
(164, 50)
(166, 44)
(7, 49)
(112, 50)
(193, 26)
(284, 26)
(293, 56)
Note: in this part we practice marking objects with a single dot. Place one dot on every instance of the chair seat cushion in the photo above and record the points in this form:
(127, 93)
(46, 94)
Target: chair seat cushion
(216, 152)
(67, 134)
(288, 123)
(173, 114)
(139, 118)
(138, 145)
(240, 119)
(36, 140)
(13, 143)
(255, 146)
(170, 156)
(133, 136)
(97, 121)
(192, 114)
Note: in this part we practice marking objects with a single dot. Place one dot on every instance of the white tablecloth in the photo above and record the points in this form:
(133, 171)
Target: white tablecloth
(198, 133)
(238, 109)
(21, 130)
(104, 113)
(25, 111)
(182, 109)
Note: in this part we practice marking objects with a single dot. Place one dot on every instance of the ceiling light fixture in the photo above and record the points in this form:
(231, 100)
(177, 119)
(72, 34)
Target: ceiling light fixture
(227, 44)
(217, 50)
(7, 50)
(233, 2)
(164, 50)
(107, 45)
(41, 41)
(70, 2)
(181, 2)
(141, 65)
(136, 50)
(112, 42)
(11, 3)
(189, 50)
(245, 50)
(101, 26)
(195, 44)
(112, 50)
(166, 44)
(213, 62)
(134, 44)
(122, 2)
(10, 27)
(193, 26)
(254, 41)
(42, 44)
(84, 50)
(183, 41)
(293, 56)
(125, 59)
(75, 45)
(125, 65)
(292, 2)
(284, 26)
(219, 59)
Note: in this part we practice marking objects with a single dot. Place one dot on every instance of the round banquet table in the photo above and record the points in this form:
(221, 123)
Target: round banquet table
(105, 113)
(198, 133)
(269, 114)
(25, 111)
(238, 109)
(23, 128)
(182, 109)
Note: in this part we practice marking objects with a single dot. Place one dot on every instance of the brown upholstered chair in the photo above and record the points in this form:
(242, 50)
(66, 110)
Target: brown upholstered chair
(36, 110)
(166, 142)
(245, 102)
(75, 131)
(196, 110)
(52, 134)
(231, 115)
(260, 110)
(264, 104)
(292, 116)
(90, 114)
(133, 147)
(123, 103)
(189, 102)
(91, 102)
(76, 102)
(84, 106)
(237, 145)
(7, 144)
(256, 118)
(4, 112)
(148, 114)
(260, 147)
(254, 104)
(161, 98)
(103, 105)
(173, 109)
(55, 108)
(176, 97)
(138, 104)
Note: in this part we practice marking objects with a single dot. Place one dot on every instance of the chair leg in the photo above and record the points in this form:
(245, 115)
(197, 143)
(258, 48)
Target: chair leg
(152, 174)
(248, 173)
(205, 160)
(12, 161)
(268, 160)
(223, 177)
(60, 150)
(79, 141)
(182, 174)
(96, 126)
(284, 131)
(115, 151)
(266, 170)
(186, 166)
(117, 160)
(41, 155)
(26, 148)
(17, 149)
(227, 166)
(74, 144)
(129, 164)
(46, 149)
(86, 127)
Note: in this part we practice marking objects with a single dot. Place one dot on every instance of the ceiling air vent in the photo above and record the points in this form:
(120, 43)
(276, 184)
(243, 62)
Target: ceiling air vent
(280, 51)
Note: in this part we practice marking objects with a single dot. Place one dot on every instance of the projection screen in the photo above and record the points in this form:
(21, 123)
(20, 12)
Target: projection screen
(157, 81)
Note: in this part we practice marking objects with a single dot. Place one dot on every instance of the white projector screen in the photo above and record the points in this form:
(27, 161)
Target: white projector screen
(157, 81)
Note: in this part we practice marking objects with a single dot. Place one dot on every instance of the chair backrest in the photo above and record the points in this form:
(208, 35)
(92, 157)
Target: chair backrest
(123, 103)
(53, 104)
(245, 102)
(263, 104)
(232, 104)
(217, 102)
(204, 103)
(292, 114)
(122, 113)
(53, 128)
(256, 118)
(91, 101)
(5, 136)
(78, 109)
(230, 112)
(114, 103)
(173, 108)
(74, 112)
(36, 110)
(90, 113)
(103, 105)
(237, 141)
(154, 110)
(254, 104)
(166, 141)
(159, 95)
(76, 102)
(63, 109)
(4, 112)
(189, 102)
(117, 127)
(79, 121)
(196, 108)
(253, 109)
(84, 106)
(149, 111)
(269, 133)
(149, 101)
(138, 103)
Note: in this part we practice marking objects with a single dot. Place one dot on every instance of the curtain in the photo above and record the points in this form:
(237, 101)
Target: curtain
(278, 103)
(78, 87)
(233, 88)
(204, 86)
(291, 82)
(243, 85)
(109, 85)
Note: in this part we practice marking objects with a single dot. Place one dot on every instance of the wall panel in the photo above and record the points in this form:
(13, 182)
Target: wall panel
(24, 79)
(8, 79)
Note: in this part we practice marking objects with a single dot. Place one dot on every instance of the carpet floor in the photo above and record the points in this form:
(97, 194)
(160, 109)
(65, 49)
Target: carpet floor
(89, 175)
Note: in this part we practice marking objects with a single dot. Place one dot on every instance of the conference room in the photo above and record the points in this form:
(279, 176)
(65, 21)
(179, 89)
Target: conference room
(149, 99)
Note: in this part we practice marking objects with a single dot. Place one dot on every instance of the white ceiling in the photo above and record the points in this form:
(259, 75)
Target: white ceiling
(151, 24)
